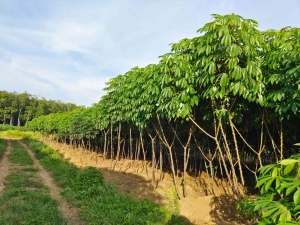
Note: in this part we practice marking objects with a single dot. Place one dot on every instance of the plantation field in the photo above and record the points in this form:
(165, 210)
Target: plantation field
(35, 180)
(181, 141)
(37, 186)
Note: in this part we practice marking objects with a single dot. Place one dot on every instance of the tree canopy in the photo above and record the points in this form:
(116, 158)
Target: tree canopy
(19, 108)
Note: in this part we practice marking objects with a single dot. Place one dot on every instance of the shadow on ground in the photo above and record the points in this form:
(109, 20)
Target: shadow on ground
(224, 211)
(134, 185)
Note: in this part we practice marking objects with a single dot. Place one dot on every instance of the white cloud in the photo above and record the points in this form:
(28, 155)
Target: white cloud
(12, 79)
(86, 90)
(67, 50)
(71, 36)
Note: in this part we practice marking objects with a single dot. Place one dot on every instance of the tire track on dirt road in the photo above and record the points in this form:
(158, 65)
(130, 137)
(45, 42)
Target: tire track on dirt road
(69, 211)
(5, 164)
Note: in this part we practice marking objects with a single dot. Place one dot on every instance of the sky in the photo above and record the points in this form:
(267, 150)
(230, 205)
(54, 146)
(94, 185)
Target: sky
(68, 49)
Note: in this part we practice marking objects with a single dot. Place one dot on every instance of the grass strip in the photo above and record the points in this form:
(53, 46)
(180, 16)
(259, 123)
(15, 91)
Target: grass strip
(16, 133)
(3, 144)
(20, 179)
(19, 155)
(22, 206)
(99, 203)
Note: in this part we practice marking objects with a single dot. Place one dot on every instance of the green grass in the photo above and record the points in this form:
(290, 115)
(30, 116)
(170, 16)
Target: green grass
(19, 155)
(2, 147)
(22, 206)
(98, 202)
(20, 179)
(17, 133)
(25, 199)
(30, 169)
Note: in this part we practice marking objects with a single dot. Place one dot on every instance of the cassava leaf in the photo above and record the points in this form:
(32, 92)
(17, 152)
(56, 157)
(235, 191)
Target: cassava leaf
(296, 196)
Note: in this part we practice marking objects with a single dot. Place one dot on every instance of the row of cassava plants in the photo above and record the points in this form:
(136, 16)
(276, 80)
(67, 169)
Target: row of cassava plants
(227, 101)
(98, 203)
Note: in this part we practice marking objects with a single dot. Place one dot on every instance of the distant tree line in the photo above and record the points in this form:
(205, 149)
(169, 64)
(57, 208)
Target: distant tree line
(19, 108)
(227, 101)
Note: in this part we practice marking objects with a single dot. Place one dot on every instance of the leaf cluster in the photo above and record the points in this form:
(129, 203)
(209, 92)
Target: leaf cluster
(279, 186)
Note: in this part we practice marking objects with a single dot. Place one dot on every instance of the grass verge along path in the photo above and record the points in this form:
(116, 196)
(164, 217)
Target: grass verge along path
(25, 198)
(69, 212)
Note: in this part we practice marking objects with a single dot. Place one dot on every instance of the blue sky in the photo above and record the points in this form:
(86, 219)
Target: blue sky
(67, 49)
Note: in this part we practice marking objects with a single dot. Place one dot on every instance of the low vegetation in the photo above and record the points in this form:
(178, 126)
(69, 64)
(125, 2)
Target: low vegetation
(19, 155)
(18, 133)
(5, 127)
(22, 206)
(279, 199)
(25, 199)
(99, 203)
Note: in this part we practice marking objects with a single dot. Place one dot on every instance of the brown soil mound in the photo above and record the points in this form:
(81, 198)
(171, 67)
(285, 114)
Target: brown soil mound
(133, 178)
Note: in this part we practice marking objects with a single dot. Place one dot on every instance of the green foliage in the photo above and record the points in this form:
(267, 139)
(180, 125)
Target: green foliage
(18, 109)
(99, 203)
(243, 209)
(281, 63)
(173, 202)
(279, 185)
(6, 127)
(222, 64)
(237, 84)
(228, 70)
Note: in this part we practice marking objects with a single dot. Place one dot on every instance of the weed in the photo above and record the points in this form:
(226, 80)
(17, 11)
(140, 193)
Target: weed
(244, 209)
(173, 202)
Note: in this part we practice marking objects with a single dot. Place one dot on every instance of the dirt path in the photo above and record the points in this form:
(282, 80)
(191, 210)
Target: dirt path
(5, 165)
(69, 212)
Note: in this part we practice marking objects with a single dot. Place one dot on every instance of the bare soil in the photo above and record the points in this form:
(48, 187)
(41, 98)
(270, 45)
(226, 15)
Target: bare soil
(133, 178)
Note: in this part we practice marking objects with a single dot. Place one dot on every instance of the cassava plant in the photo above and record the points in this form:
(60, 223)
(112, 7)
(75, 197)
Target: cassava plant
(279, 202)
